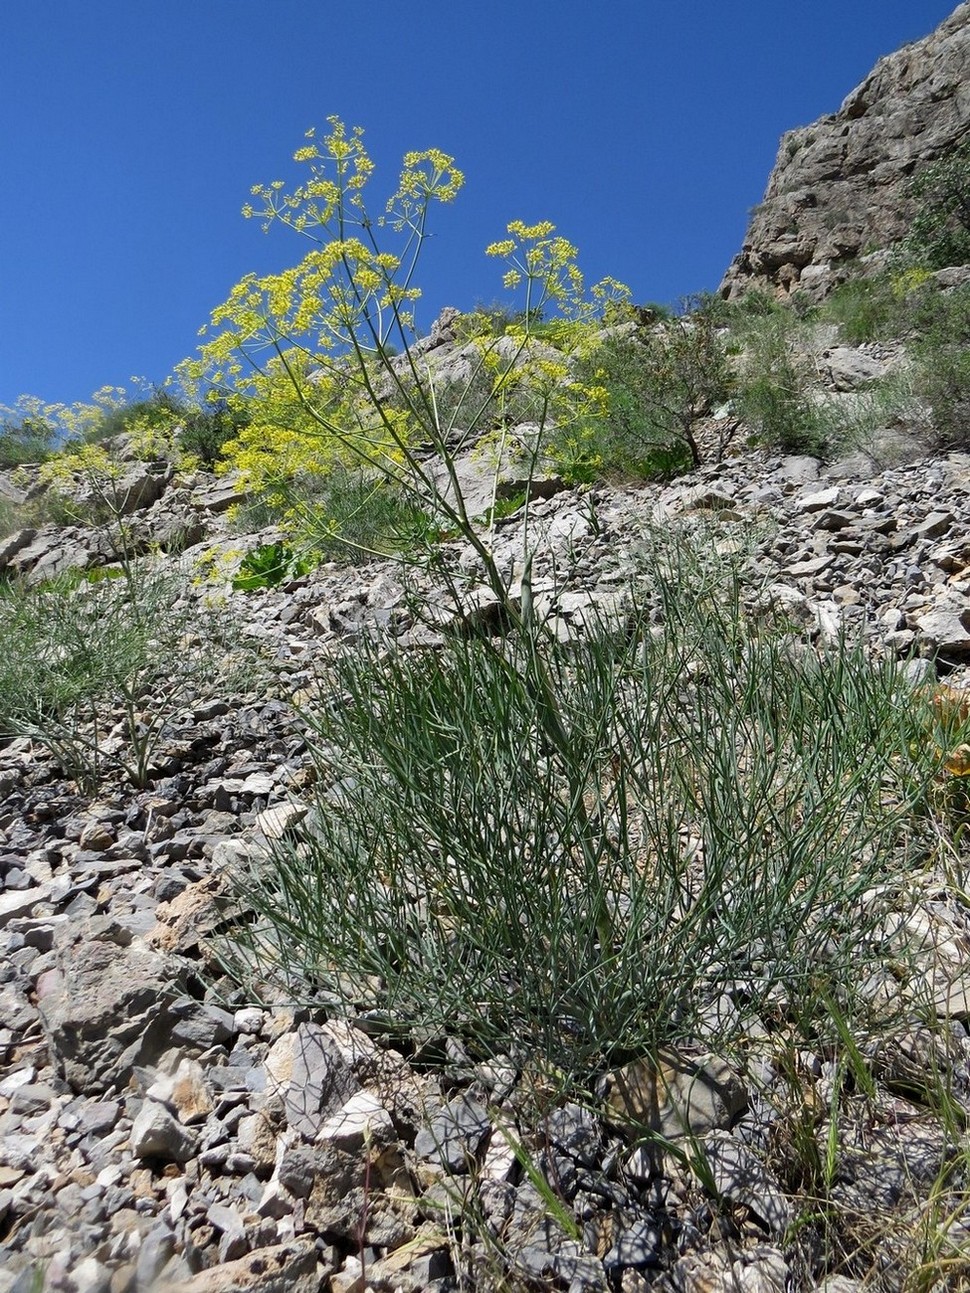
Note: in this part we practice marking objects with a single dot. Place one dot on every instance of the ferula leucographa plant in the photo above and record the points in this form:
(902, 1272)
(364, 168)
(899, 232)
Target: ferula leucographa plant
(326, 330)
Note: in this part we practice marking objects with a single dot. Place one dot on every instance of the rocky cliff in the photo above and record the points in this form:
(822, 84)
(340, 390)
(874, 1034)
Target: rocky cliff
(837, 188)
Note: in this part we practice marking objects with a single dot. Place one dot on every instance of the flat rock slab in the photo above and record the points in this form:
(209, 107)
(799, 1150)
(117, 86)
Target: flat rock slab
(848, 368)
(820, 500)
(948, 629)
(15, 543)
(157, 1134)
(314, 1070)
(17, 903)
(361, 1119)
(741, 1177)
(455, 1135)
(284, 1268)
(676, 1095)
(105, 1008)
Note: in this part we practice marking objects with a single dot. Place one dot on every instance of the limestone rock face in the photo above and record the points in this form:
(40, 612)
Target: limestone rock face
(837, 188)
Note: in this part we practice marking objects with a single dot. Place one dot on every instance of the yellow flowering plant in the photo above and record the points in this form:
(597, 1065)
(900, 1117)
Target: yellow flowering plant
(60, 424)
(91, 485)
(325, 350)
(340, 327)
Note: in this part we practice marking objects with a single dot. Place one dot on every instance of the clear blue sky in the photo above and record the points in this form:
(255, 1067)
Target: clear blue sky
(131, 132)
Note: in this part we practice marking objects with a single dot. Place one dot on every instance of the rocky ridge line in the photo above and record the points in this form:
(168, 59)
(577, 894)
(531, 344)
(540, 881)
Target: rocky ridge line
(836, 191)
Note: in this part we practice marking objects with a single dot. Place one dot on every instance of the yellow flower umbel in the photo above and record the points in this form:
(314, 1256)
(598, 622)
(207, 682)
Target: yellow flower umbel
(543, 263)
(322, 354)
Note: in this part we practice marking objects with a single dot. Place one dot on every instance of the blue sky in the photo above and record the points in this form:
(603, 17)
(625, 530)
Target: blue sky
(131, 133)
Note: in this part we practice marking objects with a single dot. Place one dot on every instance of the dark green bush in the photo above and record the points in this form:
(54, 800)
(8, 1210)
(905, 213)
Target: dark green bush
(940, 230)
(783, 418)
(493, 319)
(939, 318)
(660, 377)
(84, 661)
(205, 430)
(156, 413)
(754, 304)
(356, 518)
(868, 309)
(945, 385)
(773, 395)
(569, 865)
(941, 353)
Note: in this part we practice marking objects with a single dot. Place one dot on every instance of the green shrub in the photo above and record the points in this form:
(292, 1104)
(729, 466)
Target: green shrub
(943, 381)
(259, 512)
(97, 670)
(47, 507)
(773, 394)
(941, 352)
(602, 449)
(941, 318)
(575, 871)
(775, 356)
(354, 517)
(855, 421)
(468, 406)
(754, 304)
(158, 413)
(775, 405)
(493, 320)
(654, 311)
(205, 430)
(867, 309)
(12, 517)
(72, 644)
(659, 378)
(25, 440)
(940, 229)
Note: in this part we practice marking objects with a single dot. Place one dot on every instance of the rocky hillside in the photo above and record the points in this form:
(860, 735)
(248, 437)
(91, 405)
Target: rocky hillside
(161, 1132)
(576, 902)
(836, 190)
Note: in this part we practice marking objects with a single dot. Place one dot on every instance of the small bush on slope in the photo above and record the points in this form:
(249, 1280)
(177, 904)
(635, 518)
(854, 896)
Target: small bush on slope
(940, 229)
(773, 387)
(25, 439)
(658, 379)
(96, 671)
(941, 349)
(868, 309)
